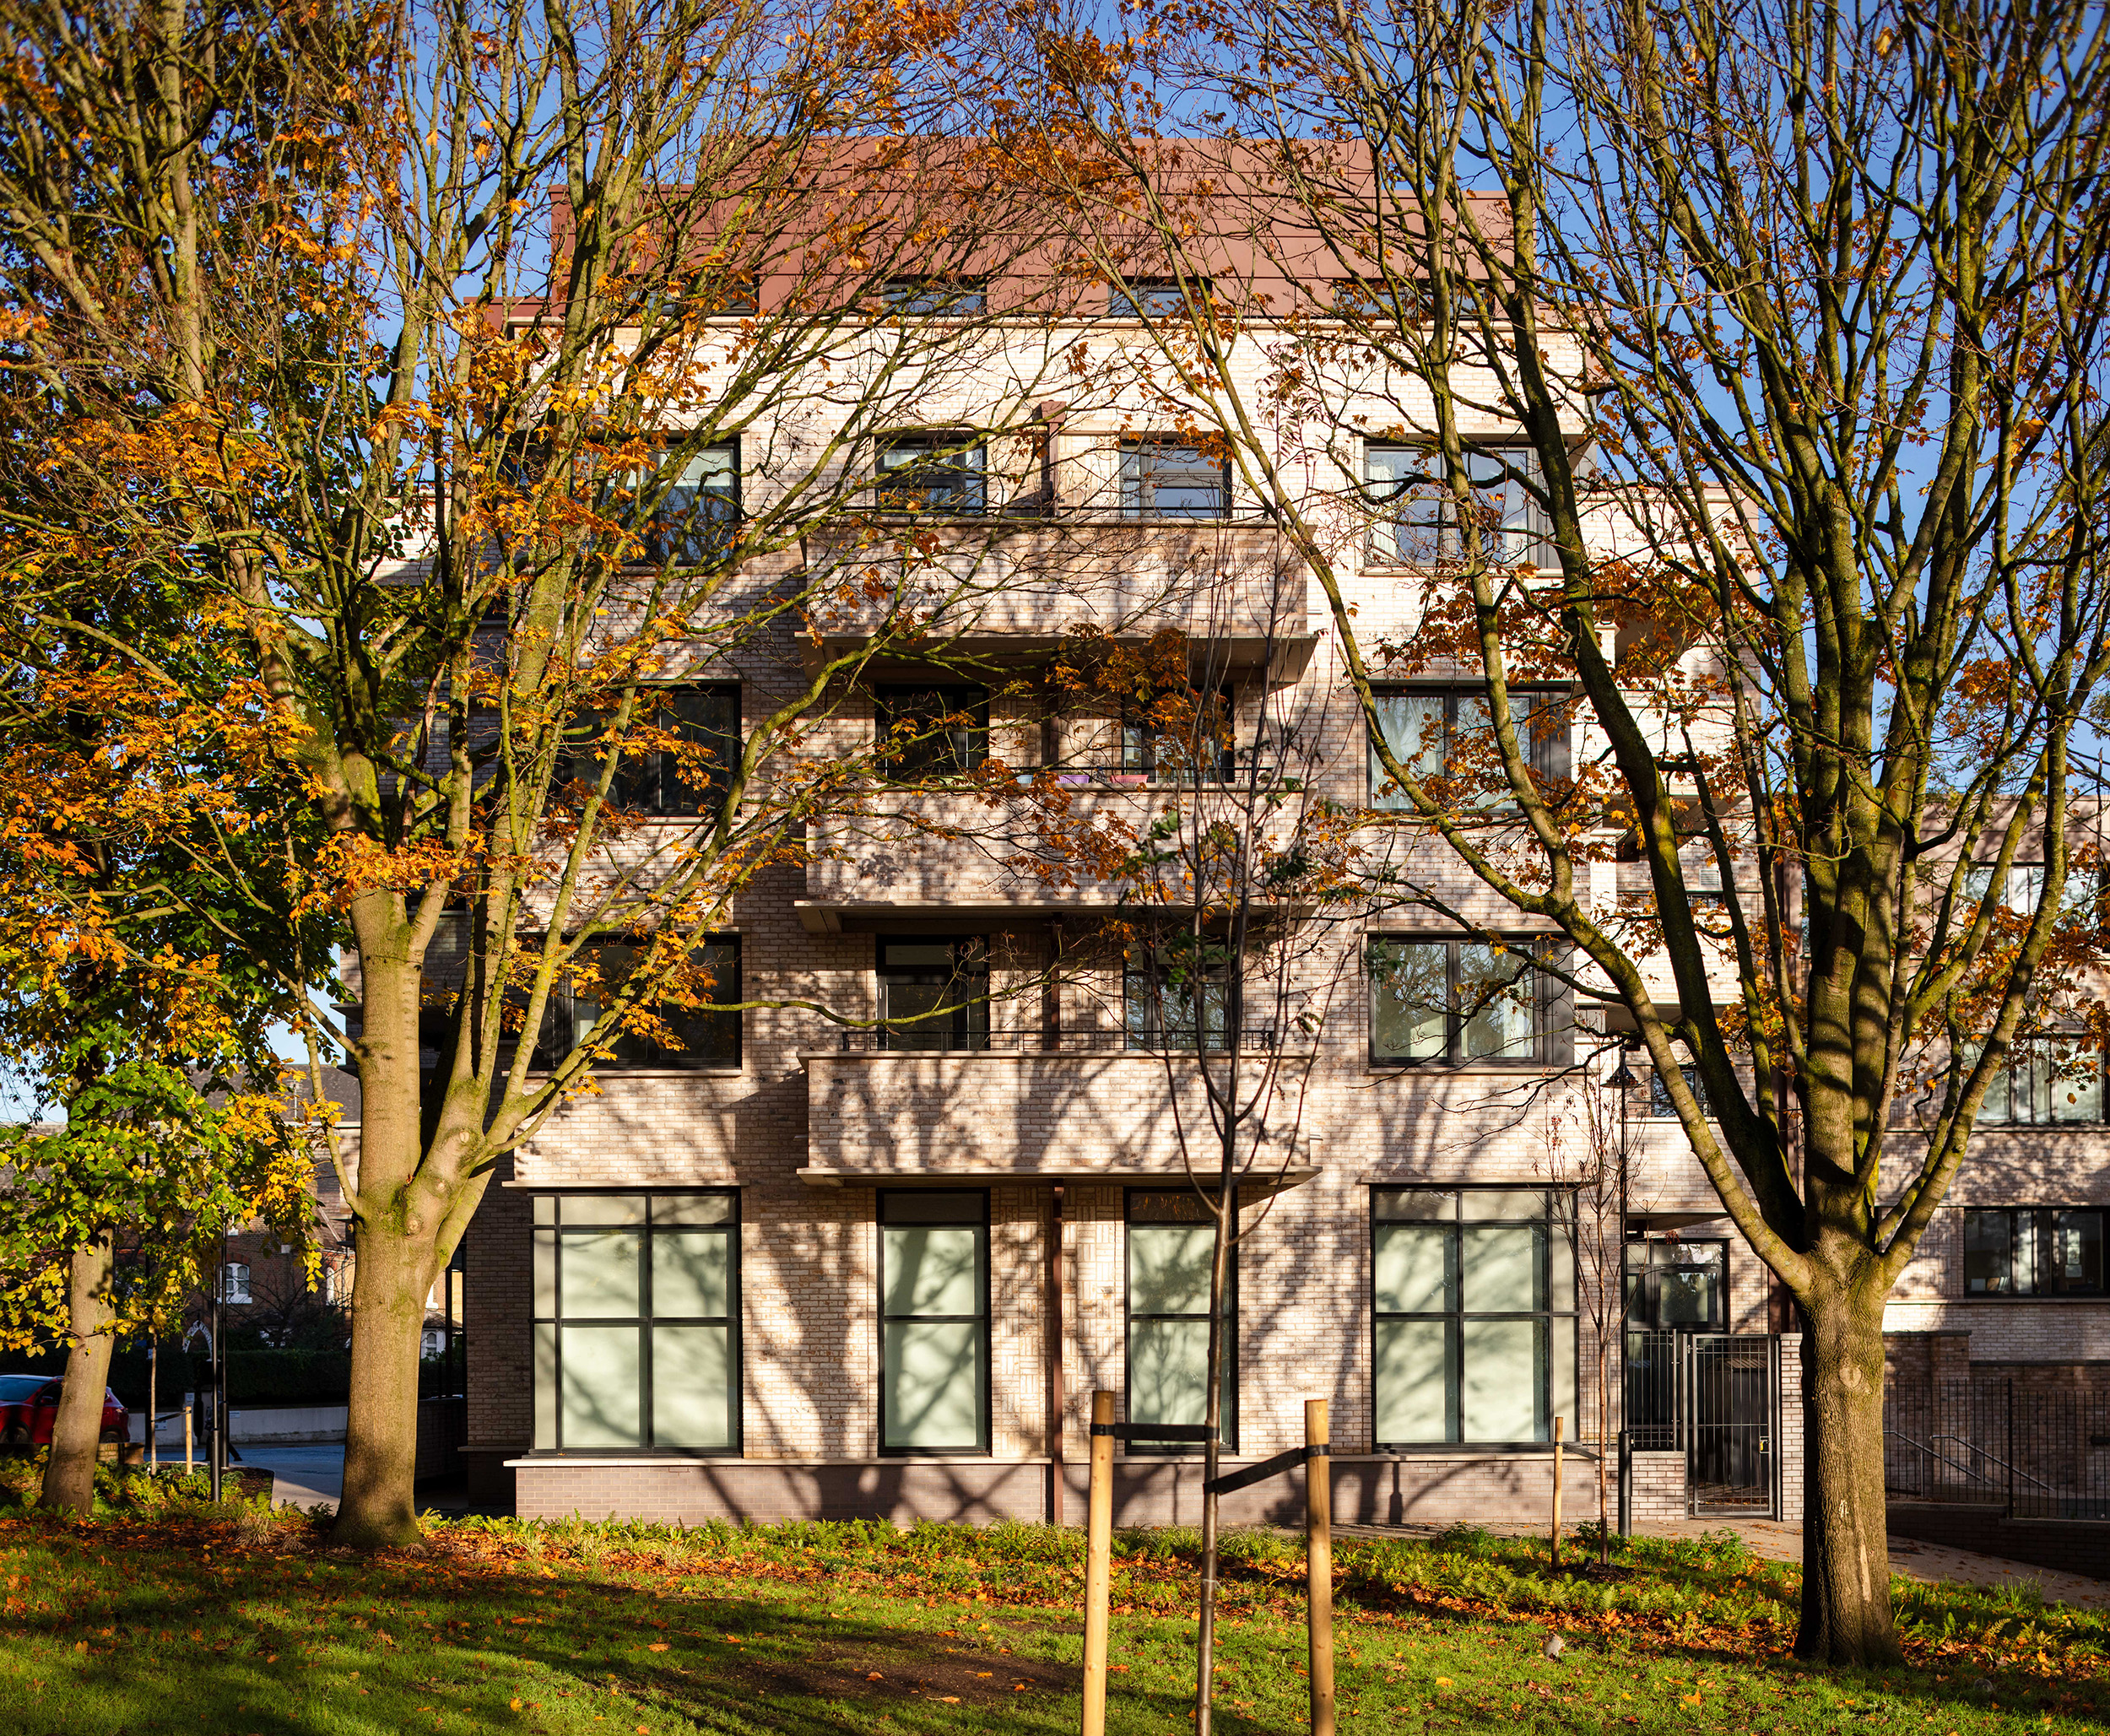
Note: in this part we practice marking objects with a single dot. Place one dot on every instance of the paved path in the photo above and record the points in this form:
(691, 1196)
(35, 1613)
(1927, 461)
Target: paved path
(1927, 1561)
(304, 1475)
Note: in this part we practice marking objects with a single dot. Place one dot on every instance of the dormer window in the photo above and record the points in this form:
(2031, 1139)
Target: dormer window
(1153, 298)
(952, 298)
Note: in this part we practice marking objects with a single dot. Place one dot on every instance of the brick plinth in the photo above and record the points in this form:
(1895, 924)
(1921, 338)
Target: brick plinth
(691, 1492)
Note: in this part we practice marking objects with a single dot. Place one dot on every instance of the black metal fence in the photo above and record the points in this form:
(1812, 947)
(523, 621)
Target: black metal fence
(1714, 1396)
(1652, 1411)
(2041, 1454)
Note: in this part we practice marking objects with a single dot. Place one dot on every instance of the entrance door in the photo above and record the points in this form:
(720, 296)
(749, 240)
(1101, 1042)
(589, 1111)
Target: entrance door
(1731, 1402)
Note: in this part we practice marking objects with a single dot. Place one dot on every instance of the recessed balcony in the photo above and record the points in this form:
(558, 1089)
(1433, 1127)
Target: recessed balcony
(978, 856)
(1003, 588)
(1020, 1106)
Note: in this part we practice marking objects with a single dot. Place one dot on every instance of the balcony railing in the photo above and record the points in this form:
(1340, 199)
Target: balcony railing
(1042, 1039)
(1221, 769)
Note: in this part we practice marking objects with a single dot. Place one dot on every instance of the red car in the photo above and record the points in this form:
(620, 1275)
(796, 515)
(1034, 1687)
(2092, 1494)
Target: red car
(28, 1405)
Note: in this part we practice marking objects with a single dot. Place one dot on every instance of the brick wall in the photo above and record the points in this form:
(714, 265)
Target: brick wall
(1794, 1431)
(1660, 1486)
(1366, 1491)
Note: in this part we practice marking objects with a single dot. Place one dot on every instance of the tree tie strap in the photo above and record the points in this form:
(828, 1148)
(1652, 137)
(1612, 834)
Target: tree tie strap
(1266, 1468)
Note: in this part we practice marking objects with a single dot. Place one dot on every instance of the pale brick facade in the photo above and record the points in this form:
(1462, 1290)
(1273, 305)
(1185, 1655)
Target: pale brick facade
(810, 1132)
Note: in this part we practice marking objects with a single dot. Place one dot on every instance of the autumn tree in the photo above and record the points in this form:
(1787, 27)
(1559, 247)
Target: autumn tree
(1737, 366)
(152, 1123)
(515, 379)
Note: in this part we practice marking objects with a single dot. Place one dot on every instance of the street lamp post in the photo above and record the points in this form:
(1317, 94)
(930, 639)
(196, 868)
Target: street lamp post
(216, 1447)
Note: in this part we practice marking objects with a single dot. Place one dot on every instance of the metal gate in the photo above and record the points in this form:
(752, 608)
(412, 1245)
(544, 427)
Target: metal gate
(1730, 1384)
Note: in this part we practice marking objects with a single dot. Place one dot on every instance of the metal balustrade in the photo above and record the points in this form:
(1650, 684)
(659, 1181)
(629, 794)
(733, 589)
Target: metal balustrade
(2039, 1453)
(1056, 1040)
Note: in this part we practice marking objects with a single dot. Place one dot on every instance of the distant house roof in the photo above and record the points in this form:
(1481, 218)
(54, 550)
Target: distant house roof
(339, 1087)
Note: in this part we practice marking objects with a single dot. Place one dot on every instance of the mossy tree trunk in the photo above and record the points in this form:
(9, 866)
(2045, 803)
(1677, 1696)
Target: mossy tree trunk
(69, 1474)
(1846, 1605)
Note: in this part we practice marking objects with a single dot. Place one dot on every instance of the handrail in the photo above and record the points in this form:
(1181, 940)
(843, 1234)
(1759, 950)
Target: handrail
(2012, 1470)
(1940, 1458)
(1964, 1469)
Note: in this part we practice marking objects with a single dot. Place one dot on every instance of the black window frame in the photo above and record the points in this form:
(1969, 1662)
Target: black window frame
(2041, 1222)
(1546, 743)
(965, 1029)
(2084, 887)
(929, 754)
(887, 1199)
(1658, 1105)
(1140, 471)
(1156, 983)
(737, 296)
(646, 1319)
(630, 1052)
(949, 478)
(650, 785)
(1162, 757)
(1187, 1199)
(695, 524)
(2031, 1069)
(1643, 1285)
(1555, 1236)
(1367, 298)
(1553, 1036)
(1428, 512)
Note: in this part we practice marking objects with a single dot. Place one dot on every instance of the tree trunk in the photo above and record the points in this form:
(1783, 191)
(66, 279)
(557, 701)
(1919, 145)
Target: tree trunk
(69, 1475)
(398, 1224)
(1603, 1446)
(1845, 1570)
(379, 1509)
(1212, 1464)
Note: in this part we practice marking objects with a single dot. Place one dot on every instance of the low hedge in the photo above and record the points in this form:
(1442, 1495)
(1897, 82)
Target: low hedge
(254, 1378)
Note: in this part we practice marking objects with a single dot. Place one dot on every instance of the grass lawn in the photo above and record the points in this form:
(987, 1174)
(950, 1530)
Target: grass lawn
(189, 1618)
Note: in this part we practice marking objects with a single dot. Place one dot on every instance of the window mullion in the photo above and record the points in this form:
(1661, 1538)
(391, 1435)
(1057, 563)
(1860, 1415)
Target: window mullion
(646, 1430)
(1454, 1013)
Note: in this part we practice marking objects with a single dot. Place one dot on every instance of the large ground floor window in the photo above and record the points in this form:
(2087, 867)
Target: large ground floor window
(1172, 1240)
(933, 1322)
(636, 1321)
(1472, 1300)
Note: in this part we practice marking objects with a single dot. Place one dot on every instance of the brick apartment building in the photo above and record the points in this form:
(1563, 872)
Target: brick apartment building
(801, 1268)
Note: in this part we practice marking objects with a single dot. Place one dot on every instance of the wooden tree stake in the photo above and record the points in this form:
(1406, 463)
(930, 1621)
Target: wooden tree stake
(1098, 1563)
(1318, 1563)
(1557, 1422)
